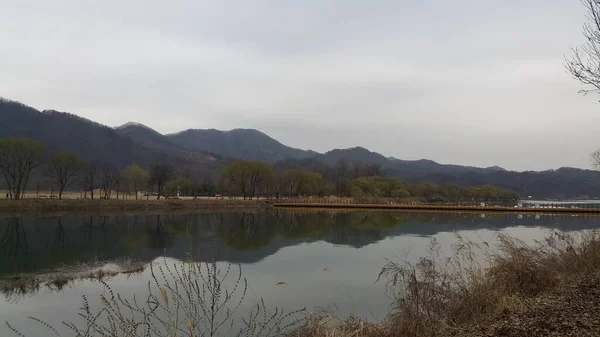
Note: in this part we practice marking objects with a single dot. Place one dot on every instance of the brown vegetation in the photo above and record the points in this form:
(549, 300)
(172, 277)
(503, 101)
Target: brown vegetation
(511, 289)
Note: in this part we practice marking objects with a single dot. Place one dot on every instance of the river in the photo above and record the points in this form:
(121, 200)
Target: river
(291, 259)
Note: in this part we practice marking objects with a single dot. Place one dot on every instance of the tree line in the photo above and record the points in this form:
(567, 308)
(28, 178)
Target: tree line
(247, 179)
(19, 158)
(250, 179)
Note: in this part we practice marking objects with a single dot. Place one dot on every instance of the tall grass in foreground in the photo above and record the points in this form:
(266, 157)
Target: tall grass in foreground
(474, 285)
(194, 299)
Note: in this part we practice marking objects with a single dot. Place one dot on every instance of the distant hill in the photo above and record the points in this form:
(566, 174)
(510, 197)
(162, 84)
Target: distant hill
(208, 150)
(89, 140)
(424, 165)
(154, 140)
(392, 164)
(563, 183)
(246, 144)
(352, 154)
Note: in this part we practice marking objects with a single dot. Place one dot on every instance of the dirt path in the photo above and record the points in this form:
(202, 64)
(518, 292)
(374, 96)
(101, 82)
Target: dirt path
(570, 311)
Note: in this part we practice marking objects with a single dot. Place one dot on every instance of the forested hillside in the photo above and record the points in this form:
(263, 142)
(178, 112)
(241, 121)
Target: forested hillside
(207, 151)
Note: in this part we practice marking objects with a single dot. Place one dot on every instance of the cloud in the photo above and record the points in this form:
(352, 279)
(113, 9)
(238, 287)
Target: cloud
(466, 82)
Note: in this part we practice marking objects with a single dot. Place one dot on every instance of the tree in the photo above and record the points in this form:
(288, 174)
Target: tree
(595, 159)
(400, 193)
(373, 170)
(314, 184)
(248, 177)
(341, 178)
(160, 174)
(180, 185)
(279, 183)
(584, 65)
(90, 179)
(295, 179)
(136, 177)
(358, 169)
(64, 167)
(18, 157)
(108, 180)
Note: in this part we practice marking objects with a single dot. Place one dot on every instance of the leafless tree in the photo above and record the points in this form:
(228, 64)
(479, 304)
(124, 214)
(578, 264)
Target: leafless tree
(358, 169)
(160, 174)
(18, 157)
(90, 179)
(584, 64)
(595, 159)
(341, 174)
(64, 167)
(108, 180)
(374, 170)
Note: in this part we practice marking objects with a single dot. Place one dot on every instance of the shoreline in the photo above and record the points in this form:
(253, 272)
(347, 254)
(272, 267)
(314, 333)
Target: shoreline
(19, 284)
(429, 208)
(87, 206)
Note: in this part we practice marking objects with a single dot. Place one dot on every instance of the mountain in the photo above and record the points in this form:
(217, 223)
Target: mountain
(154, 140)
(208, 150)
(562, 183)
(363, 155)
(425, 165)
(496, 168)
(89, 140)
(352, 154)
(248, 144)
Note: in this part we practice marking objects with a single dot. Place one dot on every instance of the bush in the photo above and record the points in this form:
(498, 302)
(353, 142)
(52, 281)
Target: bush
(478, 283)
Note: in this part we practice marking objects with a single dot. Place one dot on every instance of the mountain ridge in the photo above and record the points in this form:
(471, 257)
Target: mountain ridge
(210, 149)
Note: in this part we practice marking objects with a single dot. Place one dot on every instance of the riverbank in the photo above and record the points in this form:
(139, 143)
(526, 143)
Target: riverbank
(509, 290)
(87, 206)
(428, 208)
(25, 284)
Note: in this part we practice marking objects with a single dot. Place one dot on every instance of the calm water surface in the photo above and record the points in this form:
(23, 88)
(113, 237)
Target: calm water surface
(326, 259)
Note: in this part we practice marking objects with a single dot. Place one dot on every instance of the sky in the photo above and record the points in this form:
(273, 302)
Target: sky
(475, 82)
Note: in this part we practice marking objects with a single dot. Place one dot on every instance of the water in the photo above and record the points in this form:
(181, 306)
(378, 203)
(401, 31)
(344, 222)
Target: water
(324, 259)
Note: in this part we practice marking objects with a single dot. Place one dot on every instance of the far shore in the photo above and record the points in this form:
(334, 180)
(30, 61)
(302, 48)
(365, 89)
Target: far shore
(87, 206)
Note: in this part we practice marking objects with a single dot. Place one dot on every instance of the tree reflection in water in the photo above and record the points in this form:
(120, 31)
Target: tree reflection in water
(13, 241)
(30, 244)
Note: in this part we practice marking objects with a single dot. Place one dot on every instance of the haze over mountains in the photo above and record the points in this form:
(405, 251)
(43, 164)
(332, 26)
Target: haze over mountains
(209, 149)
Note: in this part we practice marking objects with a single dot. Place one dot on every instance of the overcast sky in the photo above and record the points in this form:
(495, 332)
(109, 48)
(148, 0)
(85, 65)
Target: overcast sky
(475, 82)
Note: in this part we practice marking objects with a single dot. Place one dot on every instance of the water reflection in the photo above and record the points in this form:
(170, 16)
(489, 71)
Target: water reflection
(325, 259)
(32, 244)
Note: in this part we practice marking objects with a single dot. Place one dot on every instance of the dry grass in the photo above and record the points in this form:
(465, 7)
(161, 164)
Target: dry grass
(29, 206)
(194, 299)
(474, 286)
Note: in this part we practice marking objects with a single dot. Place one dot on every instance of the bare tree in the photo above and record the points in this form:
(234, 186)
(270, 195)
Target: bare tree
(63, 169)
(358, 169)
(341, 175)
(248, 177)
(374, 170)
(18, 157)
(595, 159)
(584, 64)
(108, 180)
(90, 179)
(160, 174)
